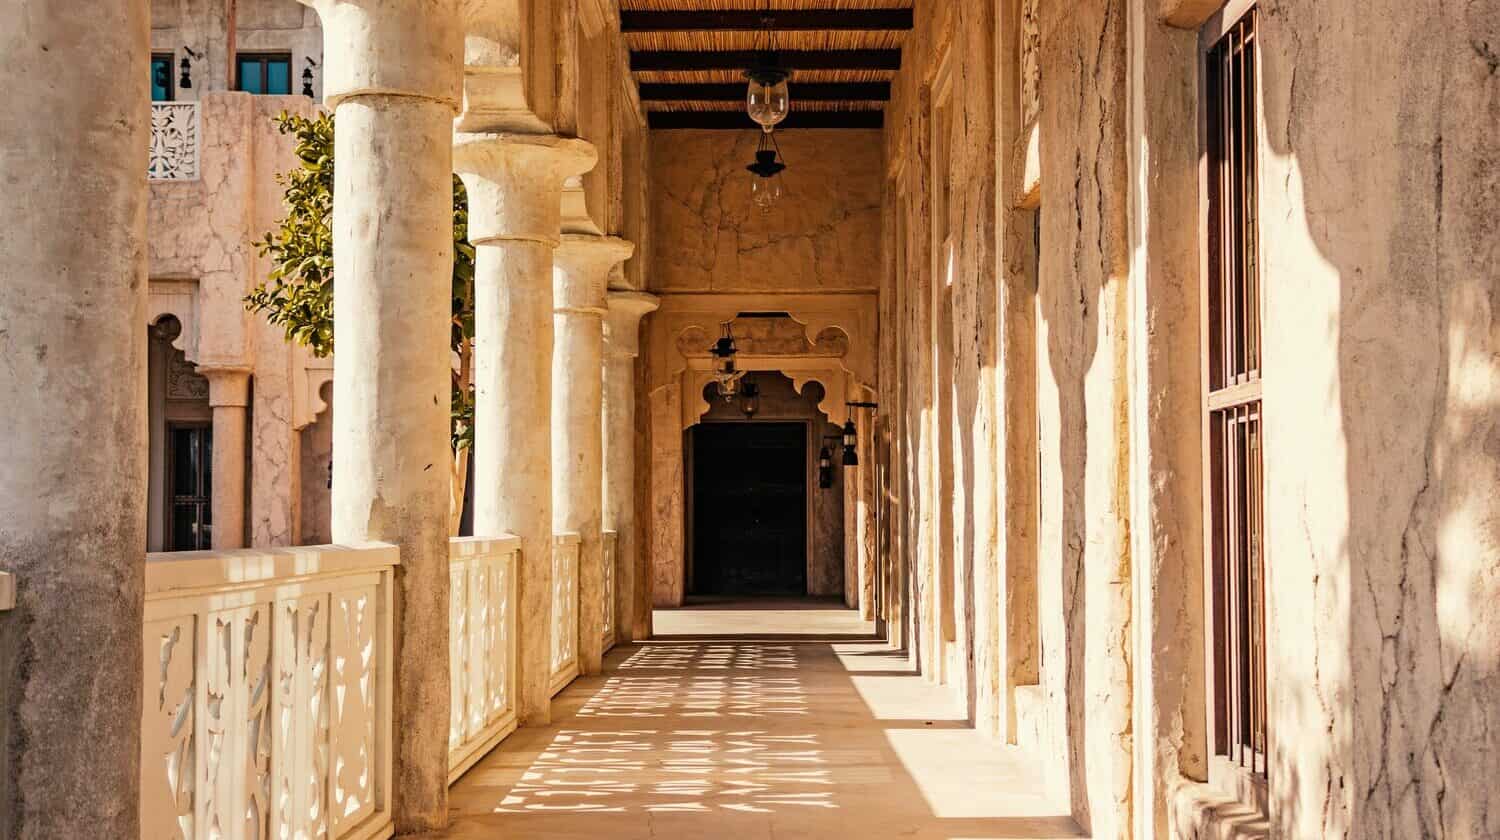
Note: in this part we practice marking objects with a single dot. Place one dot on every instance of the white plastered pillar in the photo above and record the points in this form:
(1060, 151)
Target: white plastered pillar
(515, 197)
(394, 72)
(73, 440)
(229, 398)
(580, 282)
(622, 345)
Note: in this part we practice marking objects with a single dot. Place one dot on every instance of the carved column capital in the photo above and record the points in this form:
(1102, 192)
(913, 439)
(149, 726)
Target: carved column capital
(515, 182)
(583, 263)
(402, 48)
(227, 385)
(622, 334)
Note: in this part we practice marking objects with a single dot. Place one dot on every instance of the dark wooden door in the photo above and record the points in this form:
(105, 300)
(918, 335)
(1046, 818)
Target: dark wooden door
(750, 509)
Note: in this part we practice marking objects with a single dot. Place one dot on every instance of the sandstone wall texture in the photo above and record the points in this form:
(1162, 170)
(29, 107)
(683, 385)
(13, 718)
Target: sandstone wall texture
(1381, 191)
(1070, 362)
(823, 236)
(203, 234)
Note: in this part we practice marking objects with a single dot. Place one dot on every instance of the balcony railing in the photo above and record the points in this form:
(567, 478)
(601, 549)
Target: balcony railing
(267, 687)
(481, 647)
(176, 132)
(611, 551)
(564, 610)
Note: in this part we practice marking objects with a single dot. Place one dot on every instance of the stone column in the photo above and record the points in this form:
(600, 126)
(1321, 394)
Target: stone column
(393, 78)
(229, 397)
(73, 411)
(579, 284)
(515, 199)
(622, 344)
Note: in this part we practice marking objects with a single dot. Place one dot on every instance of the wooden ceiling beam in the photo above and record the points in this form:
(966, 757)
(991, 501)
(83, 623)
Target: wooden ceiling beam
(739, 121)
(782, 20)
(801, 91)
(688, 60)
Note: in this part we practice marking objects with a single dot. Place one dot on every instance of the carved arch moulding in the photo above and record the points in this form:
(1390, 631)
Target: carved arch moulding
(833, 343)
(179, 299)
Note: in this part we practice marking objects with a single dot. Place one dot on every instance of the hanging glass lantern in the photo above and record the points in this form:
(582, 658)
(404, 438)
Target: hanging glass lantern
(765, 174)
(768, 100)
(825, 469)
(726, 374)
(851, 440)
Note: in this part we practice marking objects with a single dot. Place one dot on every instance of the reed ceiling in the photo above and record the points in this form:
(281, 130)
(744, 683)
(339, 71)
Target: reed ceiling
(689, 57)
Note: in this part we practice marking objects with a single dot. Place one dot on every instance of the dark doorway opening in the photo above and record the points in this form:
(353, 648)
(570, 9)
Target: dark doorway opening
(749, 509)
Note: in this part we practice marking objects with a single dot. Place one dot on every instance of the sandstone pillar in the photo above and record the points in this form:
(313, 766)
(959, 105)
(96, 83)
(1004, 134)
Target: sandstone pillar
(73, 411)
(393, 78)
(622, 344)
(579, 284)
(229, 397)
(515, 200)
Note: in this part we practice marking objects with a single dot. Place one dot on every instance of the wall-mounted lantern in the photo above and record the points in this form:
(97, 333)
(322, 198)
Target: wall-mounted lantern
(185, 78)
(750, 399)
(307, 78)
(851, 434)
(825, 464)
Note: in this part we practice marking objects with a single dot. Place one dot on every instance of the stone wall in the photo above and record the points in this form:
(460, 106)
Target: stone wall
(1381, 346)
(822, 236)
(202, 238)
(1086, 543)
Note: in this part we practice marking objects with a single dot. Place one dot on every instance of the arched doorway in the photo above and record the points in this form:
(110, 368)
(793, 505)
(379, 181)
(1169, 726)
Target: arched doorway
(758, 522)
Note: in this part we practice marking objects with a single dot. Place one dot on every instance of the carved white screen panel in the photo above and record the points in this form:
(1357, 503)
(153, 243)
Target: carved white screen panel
(267, 695)
(564, 612)
(481, 639)
(175, 140)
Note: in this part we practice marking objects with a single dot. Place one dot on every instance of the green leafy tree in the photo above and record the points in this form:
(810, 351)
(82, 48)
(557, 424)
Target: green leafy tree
(298, 294)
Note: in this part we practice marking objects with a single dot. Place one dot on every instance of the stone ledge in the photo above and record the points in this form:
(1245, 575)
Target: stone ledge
(1198, 811)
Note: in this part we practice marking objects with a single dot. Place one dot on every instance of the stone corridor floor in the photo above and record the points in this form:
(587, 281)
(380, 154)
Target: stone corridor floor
(751, 721)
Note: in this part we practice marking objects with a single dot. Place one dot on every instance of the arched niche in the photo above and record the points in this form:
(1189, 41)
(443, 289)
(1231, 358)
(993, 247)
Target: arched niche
(177, 298)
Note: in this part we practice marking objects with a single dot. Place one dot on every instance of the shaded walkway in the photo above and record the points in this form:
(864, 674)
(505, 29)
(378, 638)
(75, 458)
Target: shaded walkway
(747, 739)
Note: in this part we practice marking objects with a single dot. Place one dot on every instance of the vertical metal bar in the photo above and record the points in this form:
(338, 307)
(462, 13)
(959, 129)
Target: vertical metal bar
(1244, 129)
(1232, 562)
(1252, 199)
(1226, 155)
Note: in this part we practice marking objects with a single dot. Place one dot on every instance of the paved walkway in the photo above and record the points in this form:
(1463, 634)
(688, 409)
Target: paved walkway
(733, 725)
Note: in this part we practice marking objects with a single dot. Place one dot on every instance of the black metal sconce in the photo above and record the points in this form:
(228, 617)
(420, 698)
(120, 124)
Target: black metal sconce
(185, 78)
(307, 78)
(750, 399)
(851, 434)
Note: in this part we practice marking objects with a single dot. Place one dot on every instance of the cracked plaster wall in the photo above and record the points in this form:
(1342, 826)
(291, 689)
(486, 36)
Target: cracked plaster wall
(942, 118)
(205, 230)
(824, 234)
(1382, 381)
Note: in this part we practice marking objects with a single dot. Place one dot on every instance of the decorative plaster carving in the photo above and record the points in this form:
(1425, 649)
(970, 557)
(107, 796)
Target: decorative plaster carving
(685, 322)
(184, 381)
(174, 142)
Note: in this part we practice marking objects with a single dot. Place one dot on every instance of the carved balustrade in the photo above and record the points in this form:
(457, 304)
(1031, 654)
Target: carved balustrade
(564, 610)
(481, 647)
(267, 702)
(611, 553)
